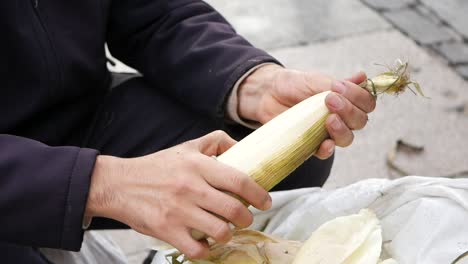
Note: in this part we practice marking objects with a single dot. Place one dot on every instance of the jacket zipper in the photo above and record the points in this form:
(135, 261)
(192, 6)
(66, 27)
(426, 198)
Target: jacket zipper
(50, 54)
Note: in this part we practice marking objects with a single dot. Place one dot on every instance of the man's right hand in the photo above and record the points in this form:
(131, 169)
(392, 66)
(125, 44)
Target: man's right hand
(171, 192)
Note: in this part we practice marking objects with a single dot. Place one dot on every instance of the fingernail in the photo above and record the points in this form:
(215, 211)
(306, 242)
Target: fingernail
(356, 75)
(268, 203)
(331, 150)
(336, 102)
(336, 124)
(339, 87)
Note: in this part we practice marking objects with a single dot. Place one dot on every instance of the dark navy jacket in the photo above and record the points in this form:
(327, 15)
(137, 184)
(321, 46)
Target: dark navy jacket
(53, 75)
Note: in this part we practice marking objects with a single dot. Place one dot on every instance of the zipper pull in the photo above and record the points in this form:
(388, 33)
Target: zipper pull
(36, 3)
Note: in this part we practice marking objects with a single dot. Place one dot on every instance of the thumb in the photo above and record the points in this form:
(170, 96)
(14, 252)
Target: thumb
(215, 143)
(358, 78)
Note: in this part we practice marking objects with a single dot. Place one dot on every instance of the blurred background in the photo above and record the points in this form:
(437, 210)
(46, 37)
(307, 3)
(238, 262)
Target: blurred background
(341, 37)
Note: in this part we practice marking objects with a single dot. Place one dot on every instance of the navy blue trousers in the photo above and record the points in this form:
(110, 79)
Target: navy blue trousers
(135, 120)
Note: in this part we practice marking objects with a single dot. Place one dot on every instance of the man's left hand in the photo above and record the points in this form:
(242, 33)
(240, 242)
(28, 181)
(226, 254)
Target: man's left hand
(271, 90)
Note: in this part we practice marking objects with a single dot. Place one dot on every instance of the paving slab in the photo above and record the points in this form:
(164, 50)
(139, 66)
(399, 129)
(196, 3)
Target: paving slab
(431, 123)
(418, 27)
(454, 12)
(428, 13)
(454, 52)
(463, 70)
(280, 23)
(389, 5)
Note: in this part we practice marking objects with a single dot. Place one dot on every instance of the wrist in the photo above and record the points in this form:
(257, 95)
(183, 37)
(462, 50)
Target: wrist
(99, 203)
(253, 88)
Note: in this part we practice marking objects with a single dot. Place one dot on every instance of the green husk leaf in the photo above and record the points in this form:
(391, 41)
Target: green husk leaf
(394, 81)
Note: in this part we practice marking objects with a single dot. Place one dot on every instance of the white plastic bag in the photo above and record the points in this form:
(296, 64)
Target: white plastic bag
(97, 248)
(424, 220)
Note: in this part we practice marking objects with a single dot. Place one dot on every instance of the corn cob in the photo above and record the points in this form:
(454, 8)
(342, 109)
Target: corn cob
(272, 152)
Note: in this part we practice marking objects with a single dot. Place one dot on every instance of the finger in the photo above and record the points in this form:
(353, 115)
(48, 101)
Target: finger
(338, 131)
(326, 149)
(353, 117)
(358, 96)
(209, 224)
(215, 143)
(186, 244)
(228, 207)
(358, 78)
(231, 180)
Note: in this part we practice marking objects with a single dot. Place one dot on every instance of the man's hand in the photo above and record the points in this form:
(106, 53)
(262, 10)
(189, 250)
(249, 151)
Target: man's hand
(271, 90)
(168, 194)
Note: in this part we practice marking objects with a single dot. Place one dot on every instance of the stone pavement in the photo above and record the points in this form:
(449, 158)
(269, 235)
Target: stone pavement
(441, 26)
(340, 37)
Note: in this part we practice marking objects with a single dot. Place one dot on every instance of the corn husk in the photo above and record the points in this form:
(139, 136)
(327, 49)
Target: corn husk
(394, 81)
(272, 152)
(353, 239)
(276, 149)
(249, 247)
(388, 261)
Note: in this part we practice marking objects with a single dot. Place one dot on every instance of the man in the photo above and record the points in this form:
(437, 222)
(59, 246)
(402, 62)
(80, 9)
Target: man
(72, 150)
